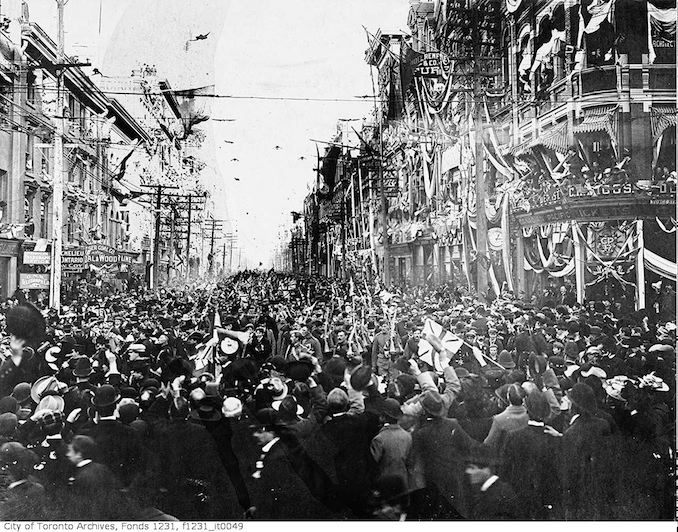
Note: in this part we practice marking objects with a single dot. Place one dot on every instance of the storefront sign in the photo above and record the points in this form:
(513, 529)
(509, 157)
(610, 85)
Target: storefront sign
(101, 255)
(430, 65)
(73, 260)
(37, 257)
(550, 195)
(33, 281)
(370, 162)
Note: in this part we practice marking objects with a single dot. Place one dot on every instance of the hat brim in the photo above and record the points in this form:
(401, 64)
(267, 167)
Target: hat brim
(106, 403)
(215, 415)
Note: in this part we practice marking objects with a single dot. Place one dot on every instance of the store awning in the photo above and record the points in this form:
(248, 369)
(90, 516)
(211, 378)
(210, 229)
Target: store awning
(602, 118)
(662, 117)
(554, 139)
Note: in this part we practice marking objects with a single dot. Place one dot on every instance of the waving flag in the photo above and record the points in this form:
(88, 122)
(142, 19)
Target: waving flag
(450, 341)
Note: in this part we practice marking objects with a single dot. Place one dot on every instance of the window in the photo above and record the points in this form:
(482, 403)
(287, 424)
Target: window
(43, 218)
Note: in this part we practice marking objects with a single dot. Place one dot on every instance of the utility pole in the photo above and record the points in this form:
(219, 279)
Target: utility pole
(215, 225)
(156, 240)
(188, 238)
(173, 221)
(58, 162)
(58, 181)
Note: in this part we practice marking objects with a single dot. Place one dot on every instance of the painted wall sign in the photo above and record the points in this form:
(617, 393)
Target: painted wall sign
(33, 281)
(37, 257)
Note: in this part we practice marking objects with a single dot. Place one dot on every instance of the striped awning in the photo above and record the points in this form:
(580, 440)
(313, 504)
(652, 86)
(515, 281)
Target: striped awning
(661, 117)
(554, 139)
(603, 118)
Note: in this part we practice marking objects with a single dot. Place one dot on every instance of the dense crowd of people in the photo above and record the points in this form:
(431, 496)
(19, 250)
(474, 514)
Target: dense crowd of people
(269, 396)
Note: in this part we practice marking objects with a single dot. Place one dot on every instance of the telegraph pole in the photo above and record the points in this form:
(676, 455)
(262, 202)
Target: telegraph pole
(188, 238)
(156, 242)
(58, 163)
(58, 181)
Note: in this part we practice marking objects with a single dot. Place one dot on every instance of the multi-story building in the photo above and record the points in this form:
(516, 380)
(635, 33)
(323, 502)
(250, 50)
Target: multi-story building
(556, 118)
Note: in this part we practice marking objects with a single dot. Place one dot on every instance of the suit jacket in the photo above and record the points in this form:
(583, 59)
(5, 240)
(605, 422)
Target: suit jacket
(529, 463)
(120, 449)
(512, 419)
(439, 450)
(282, 493)
(391, 451)
(191, 471)
(498, 502)
(583, 463)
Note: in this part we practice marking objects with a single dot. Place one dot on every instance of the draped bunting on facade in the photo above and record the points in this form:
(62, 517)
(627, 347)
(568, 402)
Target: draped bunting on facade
(513, 5)
(662, 117)
(661, 23)
(660, 265)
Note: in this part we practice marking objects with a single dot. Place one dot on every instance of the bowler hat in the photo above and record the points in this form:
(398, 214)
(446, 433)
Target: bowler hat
(288, 409)
(390, 408)
(265, 419)
(582, 395)
(105, 395)
(433, 404)
(9, 404)
(361, 377)
(506, 360)
(22, 392)
(82, 367)
(537, 406)
(299, 370)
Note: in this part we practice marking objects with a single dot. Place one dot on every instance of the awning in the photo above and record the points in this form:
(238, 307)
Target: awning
(603, 118)
(554, 139)
(662, 117)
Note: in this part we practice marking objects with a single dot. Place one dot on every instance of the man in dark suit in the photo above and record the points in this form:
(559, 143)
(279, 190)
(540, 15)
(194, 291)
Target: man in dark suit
(584, 457)
(283, 494)
(438, 448)
(491, 498)
(120, 448)
(529, 463)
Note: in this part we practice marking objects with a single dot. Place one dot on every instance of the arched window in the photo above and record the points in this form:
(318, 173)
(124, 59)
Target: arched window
(559, 47)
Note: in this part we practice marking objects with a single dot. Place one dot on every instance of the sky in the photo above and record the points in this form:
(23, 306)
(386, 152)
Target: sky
(260, 53)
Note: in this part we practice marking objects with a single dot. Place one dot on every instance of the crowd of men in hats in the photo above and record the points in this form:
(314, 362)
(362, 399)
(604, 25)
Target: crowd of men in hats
(268, 396)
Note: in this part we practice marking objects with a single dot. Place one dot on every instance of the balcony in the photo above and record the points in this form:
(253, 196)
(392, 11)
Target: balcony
(618, 201)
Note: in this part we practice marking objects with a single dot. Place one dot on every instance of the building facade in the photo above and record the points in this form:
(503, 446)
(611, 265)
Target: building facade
(527, 146)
